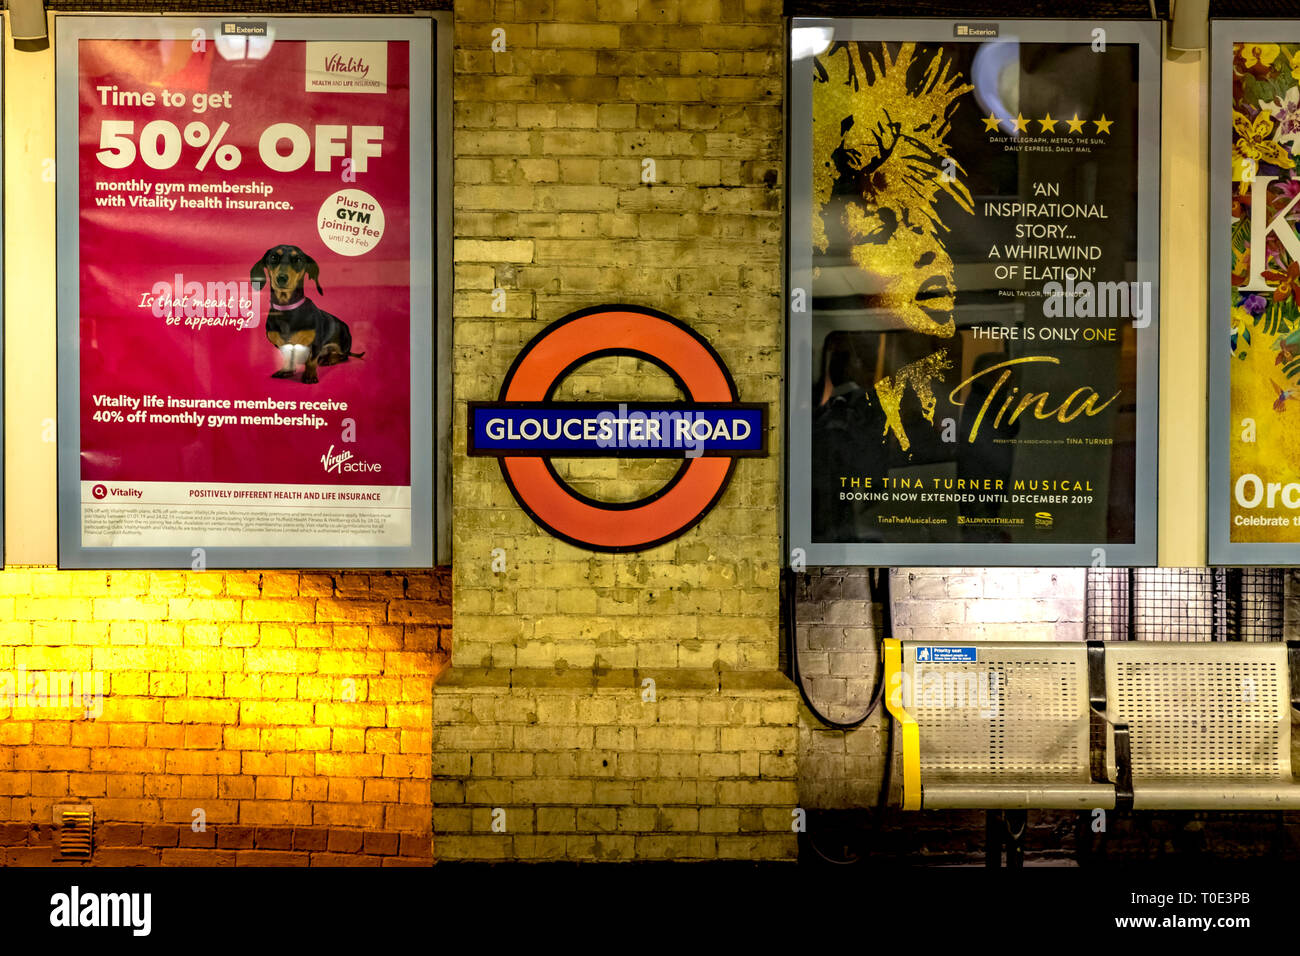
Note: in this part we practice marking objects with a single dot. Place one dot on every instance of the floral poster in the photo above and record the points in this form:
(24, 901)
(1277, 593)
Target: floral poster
(1264, 333)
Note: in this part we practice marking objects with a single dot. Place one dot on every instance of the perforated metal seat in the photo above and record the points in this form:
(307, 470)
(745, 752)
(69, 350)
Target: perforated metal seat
(1210, 724)
(1007, 730)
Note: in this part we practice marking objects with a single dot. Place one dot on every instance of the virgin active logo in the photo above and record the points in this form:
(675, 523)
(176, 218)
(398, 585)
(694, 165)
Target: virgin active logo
(526, 428)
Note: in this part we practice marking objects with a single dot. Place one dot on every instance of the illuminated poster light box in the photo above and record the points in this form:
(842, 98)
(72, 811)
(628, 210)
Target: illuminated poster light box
(974, 298)
(246, 305)
(1254, 290)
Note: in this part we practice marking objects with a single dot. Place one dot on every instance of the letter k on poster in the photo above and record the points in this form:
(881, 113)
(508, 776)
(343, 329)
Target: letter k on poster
(245, 292)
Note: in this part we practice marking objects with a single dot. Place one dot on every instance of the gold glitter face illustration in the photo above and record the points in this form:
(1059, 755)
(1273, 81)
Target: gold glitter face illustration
(881, 124)
(919, 377)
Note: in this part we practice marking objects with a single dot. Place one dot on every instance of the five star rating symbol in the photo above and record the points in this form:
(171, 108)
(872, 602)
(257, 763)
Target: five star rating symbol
(994, 123)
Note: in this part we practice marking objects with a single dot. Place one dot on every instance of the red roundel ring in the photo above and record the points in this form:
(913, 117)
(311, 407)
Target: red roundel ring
(594, 333)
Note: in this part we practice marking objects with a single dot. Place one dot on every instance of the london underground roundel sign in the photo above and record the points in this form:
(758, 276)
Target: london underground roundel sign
(526, 428)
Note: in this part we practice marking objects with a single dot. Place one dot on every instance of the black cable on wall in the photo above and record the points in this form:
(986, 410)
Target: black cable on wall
(880, 594)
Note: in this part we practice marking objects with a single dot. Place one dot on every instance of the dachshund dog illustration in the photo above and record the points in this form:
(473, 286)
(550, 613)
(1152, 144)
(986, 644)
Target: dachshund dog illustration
(305, 334)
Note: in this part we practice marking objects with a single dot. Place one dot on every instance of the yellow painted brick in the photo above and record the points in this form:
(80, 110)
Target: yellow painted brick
(205, 584)
(198, 788)
(217, 811)
(329, 610)
(53, 658)
(279, 610)
(199, 712)
(349, 764)
(405, 765)
(240, 686)
(279, 686)
(123, 609)
(204, 659)
(279, 583)
(346, 790)
(350, 714)
(14, 582)
(167, 583)
(203, 609)
(53, 609)
(274, 788)
(582, 36)
(130, 735)
(127, 582)
(272, 713)
(312, 738)
(252, 764)
(350, 662)
(239, 635)
(167, 685)
(275, 813)
(203, 738)
(310, 788)
(84, 632)
(320, 635)
(408, 741)
(348, 740)
(205, 685)
(279, 661)
(380, 791)
(14, 632)
(240, 738)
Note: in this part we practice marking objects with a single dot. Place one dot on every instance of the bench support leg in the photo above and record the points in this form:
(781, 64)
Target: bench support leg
(1015, 821)
(1004, 829)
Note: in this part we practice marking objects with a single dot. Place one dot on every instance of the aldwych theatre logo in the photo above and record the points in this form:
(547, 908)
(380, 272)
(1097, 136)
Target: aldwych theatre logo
(708, 430)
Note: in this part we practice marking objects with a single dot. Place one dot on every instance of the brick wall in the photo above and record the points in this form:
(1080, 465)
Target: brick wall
(1002, 604)
(543, 769)
(839, 624)
(542, 714)
(291, 709)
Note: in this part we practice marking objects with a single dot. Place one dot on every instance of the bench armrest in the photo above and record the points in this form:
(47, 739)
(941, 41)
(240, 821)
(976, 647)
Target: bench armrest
(1123, 767)
(910, 733)
(1123, 742)
(1098, 722)
(1293, 672)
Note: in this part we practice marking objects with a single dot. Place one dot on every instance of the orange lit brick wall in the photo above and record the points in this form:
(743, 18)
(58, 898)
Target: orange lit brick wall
(291, 710)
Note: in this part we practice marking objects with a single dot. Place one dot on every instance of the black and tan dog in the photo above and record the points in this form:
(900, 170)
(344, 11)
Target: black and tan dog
(304, 333)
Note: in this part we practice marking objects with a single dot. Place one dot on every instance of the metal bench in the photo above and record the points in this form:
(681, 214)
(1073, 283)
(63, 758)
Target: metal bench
(1210, 723)
(1146, 725)
(997, 725)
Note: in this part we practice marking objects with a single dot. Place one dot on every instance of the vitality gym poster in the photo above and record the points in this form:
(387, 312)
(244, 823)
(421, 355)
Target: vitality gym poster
(245, 292)
(1255, 293)
(974, 305)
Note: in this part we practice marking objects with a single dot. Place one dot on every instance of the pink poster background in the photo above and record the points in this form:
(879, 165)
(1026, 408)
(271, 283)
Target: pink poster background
(125, 250)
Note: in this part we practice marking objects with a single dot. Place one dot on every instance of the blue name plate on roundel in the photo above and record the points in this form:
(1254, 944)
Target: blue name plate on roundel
(613, 429)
